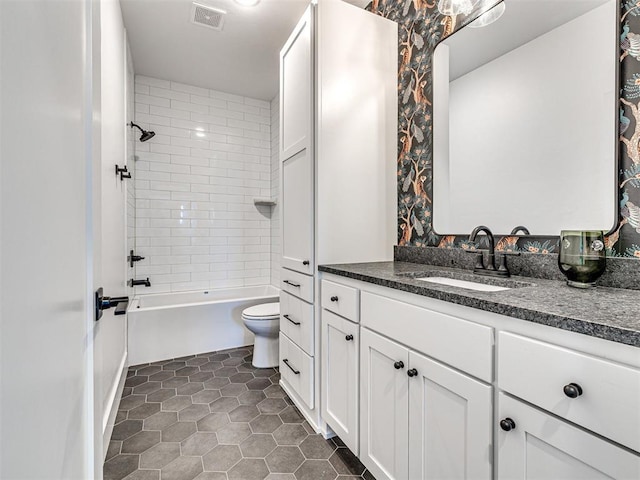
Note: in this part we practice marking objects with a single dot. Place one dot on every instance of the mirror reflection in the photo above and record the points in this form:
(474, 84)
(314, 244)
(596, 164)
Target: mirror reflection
(525, 116)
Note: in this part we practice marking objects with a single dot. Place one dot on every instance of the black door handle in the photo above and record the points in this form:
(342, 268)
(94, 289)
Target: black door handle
(305, 262)
(289, 318)
(348, 338)
(412, 372)
(297, 285)
(286, 362)
(101, 302)
(398, 365)
(334, 298)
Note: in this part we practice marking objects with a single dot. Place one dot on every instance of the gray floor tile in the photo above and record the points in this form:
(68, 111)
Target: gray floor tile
(160, 420)
(182, 468)
(221, 458)
(140, 442)
(160, 455)
(120, 466)
(284, 459)
(258, 446)
(199, 443)
(316, 470)
(178, 431)
(248, 469)
(219, 413)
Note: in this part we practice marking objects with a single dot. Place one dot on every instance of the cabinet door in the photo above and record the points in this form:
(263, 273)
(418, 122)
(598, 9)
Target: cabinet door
(384, 416)
(449, 423)
(297, 213)
(540, 446)
(340, 348)
(296, 89)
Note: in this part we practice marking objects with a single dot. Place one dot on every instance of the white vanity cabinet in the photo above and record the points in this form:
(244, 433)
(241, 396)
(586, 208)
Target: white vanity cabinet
(533, 444)
(338, 118)
(420, 419)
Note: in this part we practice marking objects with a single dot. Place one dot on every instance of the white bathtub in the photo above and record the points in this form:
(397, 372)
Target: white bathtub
(171, 325)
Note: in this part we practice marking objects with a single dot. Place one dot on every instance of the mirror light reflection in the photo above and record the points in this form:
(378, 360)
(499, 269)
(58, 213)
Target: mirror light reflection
(525, 116)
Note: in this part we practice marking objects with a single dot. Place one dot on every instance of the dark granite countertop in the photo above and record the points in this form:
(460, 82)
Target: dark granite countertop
(609, 313)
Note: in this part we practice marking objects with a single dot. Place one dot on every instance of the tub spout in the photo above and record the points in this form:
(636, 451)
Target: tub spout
(133, 283)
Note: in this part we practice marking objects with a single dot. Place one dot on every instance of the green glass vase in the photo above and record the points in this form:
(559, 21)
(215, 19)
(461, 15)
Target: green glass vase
(582, 257)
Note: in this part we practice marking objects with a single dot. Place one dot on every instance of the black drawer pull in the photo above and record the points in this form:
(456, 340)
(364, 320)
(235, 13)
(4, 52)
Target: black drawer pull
(348, 338)
(507, 424)
(398, 365)
(305, 262)
(297, 285)
(289, 318)
(334, 298)
(286, 362)
(412, 373)
(573, 390)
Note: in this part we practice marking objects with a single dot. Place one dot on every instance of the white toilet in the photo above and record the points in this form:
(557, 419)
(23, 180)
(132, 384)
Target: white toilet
(264, 321)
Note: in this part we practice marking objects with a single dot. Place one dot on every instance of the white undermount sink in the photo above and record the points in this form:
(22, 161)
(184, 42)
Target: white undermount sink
(453, 282)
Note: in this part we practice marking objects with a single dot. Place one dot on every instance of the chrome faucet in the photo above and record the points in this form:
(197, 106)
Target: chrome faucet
(488, 268)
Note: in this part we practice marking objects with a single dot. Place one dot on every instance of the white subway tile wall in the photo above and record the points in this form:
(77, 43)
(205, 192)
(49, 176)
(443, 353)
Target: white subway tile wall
(196, 222)
(276, 249)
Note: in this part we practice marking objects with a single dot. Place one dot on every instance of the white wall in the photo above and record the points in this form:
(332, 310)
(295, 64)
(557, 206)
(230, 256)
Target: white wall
(527, 127)
(276, 246)
(196, 223)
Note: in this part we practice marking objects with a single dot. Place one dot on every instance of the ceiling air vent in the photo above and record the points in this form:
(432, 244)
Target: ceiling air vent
(207, 16)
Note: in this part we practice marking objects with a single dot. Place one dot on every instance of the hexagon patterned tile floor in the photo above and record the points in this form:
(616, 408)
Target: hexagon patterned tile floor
(215, 417)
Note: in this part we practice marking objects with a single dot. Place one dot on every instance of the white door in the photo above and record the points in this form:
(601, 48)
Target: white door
(340, 359)
(47, 145)
(110, 332)
(384, 415)
(297, 213)
(537, 445)
(449, 423)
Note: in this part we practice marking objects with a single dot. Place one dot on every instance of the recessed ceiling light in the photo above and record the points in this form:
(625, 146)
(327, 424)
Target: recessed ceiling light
(247, 3)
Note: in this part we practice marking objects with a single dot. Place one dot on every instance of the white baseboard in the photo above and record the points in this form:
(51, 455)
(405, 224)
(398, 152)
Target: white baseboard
(111, 410)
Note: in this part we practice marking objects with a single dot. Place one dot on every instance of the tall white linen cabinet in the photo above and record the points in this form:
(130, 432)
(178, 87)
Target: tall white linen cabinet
(338, 124)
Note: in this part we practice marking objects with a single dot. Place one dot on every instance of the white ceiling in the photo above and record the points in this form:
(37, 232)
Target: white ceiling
(241, 59)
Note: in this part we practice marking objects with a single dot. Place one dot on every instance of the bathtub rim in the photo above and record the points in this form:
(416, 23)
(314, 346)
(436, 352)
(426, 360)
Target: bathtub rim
(134, 305)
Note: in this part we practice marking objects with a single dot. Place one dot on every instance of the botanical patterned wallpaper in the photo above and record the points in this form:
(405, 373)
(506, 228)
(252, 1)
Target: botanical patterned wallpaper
(420, 28)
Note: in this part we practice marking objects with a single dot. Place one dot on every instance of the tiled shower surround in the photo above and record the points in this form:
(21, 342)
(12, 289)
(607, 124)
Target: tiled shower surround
(215, 417)
(196, 223)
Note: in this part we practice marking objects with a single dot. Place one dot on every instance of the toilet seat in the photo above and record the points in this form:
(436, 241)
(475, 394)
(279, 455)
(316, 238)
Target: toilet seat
(264, 311)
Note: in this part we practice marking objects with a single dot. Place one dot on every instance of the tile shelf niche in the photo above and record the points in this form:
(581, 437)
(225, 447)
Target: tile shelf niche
(269, 202)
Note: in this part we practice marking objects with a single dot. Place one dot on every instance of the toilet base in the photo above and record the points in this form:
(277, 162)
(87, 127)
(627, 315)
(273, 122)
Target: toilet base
(266, 351)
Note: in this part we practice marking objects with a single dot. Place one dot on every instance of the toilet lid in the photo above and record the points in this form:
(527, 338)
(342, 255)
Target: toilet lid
(264, 310)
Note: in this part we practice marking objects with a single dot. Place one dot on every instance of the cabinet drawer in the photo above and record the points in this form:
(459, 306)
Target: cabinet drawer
(296, 367)
(538, 373)
(297, 284)
(340, 299)
(296, 321)
(464, 345)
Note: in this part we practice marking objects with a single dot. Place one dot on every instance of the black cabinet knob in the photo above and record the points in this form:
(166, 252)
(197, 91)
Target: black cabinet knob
(348, 338)
(398, 365)
(305, 262)
(507, 424)
(412, 372)
(334, 298)
(573, 390)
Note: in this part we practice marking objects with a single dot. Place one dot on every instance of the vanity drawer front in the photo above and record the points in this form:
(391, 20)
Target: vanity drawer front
(296, 321)
(340, 299)
(464, 345)
(297, 284)
(538, 373)
(296, 367)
